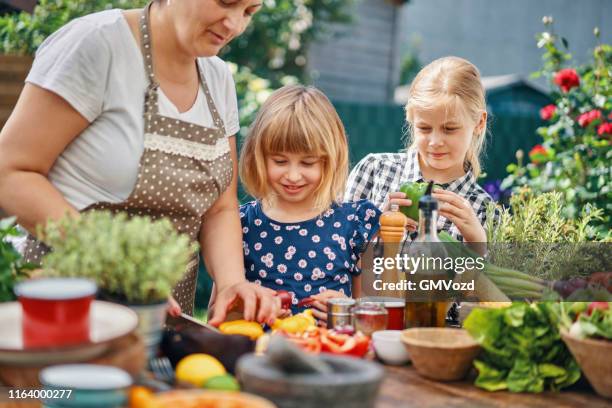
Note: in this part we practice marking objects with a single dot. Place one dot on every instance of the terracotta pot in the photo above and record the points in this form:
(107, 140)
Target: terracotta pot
(595, 360)
(439, 353)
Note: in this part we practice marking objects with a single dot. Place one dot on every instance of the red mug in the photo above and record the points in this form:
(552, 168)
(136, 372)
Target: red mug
(395, 310)
(55, 311)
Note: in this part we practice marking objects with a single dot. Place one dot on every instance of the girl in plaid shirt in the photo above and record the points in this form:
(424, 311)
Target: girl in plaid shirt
(447, 117)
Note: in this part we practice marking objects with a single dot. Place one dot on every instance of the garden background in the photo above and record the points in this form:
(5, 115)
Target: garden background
(548, 131)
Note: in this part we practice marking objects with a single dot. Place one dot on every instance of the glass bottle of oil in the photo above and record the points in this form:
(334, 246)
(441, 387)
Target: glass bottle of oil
(427, 307)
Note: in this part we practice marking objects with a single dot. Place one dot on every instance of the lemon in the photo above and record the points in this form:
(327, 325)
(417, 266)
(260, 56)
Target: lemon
(222, 383)
(197, 368)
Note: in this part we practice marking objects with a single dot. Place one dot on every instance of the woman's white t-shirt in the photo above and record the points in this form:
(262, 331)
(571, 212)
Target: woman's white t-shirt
(95, 64)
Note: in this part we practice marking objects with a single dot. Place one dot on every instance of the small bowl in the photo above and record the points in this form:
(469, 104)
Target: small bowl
(442, 354)
(389, 347)
(90, 385)
(55, 310)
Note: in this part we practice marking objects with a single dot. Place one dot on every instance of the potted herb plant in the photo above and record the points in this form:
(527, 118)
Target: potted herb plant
(135, 261)
(12, 269)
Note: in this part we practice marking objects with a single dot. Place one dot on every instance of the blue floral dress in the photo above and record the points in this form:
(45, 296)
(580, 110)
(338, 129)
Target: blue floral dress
(308, 257)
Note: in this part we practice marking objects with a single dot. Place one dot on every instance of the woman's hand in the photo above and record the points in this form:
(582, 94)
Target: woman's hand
(400, 199)
(319, 306)
(252, 296)
(460, 212)
(173, 308)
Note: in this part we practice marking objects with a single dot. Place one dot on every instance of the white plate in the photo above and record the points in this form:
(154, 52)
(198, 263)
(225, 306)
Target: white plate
(109, 321)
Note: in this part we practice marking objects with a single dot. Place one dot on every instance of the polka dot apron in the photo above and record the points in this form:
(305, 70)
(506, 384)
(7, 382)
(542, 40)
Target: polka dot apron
(183, 170)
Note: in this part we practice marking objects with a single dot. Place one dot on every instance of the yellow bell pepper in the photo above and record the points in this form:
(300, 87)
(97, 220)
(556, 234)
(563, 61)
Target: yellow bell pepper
(296, 324)
(243, 327)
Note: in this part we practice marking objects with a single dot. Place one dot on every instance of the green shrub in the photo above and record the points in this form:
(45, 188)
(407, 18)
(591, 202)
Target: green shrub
(23, 33)
(574, 156)
(133, 260)
(12, 268)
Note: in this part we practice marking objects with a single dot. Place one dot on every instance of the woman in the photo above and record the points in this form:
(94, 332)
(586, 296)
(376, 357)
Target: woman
(132, 111)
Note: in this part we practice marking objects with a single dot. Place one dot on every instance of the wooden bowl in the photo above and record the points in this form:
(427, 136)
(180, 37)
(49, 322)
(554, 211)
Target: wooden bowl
(595, 360)
(441, 354)
(209, 399)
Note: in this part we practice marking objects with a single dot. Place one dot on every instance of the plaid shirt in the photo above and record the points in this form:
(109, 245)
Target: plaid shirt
(377, 175)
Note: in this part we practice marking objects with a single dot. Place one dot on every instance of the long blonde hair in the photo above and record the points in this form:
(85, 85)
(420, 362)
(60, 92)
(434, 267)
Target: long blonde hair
(450, 81)
(297, 119)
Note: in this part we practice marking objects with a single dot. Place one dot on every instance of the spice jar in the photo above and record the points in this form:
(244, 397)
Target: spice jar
(339, 314)
(395, 310)
(370, 317)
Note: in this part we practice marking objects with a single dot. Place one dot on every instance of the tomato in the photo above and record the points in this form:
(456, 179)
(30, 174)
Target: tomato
(597, 305)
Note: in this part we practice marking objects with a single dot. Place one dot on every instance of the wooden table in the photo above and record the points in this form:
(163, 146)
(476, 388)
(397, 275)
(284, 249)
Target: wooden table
(403, 387)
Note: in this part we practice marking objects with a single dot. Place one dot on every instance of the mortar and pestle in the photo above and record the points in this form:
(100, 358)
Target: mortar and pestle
(292, 378)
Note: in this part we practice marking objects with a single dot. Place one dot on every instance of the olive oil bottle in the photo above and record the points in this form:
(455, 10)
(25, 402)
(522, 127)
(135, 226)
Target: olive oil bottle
(427, 307)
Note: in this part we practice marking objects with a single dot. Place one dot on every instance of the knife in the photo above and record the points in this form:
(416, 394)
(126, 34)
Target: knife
(199, 323)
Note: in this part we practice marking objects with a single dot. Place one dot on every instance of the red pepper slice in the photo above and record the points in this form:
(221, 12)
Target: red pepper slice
(311, 345)
(336, 343)
(285, 298)
(306, 302)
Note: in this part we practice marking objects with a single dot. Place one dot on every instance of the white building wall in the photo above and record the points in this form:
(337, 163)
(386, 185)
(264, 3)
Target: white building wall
(497, 35)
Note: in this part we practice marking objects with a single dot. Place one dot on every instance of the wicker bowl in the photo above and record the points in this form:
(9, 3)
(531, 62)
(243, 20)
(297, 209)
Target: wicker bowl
(595, 360)
(441, 354)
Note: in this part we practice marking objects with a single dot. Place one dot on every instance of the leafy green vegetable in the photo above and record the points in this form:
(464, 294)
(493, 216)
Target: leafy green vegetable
(523, 350)
(581, 319)
(12, 269)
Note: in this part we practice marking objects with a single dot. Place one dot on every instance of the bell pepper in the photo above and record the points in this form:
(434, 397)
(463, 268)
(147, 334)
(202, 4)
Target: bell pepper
(414, 191)
(308, 344)
(242, 327)
(337, 343)
(298, 323)
(285, 298)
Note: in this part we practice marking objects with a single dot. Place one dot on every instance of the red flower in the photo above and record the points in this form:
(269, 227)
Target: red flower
(547, 112)
(589, 117)
(538, 154)
(604, 129)
(567, 79)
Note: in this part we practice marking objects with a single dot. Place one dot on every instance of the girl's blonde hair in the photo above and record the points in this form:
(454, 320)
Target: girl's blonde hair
(453, 82)
(297, 119)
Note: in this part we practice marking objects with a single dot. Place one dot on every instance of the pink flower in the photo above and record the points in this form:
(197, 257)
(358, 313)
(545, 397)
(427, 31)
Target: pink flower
(605, 129)
(589, 117)
(567, 79)
(547, 112)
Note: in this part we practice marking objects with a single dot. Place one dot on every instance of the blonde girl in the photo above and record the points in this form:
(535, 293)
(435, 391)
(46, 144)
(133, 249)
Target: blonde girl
(297, 235)
(447, 117)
